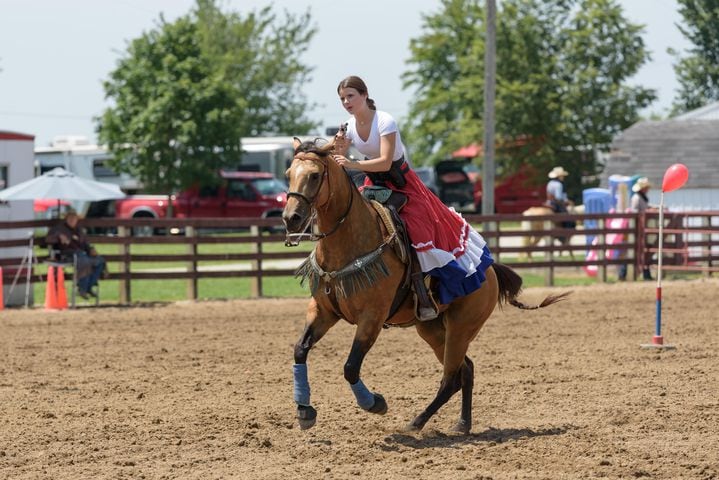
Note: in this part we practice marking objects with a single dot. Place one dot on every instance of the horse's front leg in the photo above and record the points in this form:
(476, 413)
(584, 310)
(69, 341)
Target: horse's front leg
(318, 323)
(367, 332)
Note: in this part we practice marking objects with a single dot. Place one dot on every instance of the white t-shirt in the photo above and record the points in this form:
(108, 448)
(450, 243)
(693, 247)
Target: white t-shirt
(638, 203)
(382, 124)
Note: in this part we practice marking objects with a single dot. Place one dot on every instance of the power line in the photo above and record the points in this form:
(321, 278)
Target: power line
(48, 115)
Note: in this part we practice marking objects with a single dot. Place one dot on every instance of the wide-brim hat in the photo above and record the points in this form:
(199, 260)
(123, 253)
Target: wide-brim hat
(640, 184)
(558, 172)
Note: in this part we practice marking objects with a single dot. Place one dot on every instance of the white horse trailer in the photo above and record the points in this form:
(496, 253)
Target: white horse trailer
(16, 166)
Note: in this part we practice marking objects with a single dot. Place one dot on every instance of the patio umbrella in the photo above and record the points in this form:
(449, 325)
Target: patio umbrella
(60, 184)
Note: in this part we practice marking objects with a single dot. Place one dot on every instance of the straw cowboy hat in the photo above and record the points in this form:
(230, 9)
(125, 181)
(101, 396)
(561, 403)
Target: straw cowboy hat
(558, 172)
(641, 184)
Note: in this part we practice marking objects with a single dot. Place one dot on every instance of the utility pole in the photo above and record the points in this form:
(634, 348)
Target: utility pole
(490, 70)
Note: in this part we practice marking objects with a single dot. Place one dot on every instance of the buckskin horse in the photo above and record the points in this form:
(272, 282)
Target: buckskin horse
(355, 272)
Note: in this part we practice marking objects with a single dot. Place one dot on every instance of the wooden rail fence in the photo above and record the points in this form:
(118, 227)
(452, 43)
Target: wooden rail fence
(691, 244)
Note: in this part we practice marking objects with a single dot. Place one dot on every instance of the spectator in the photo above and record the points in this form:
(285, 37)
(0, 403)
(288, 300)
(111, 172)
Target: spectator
(640, 203)
(70, 242)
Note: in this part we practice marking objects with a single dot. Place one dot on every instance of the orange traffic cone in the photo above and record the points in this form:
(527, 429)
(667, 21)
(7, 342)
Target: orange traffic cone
(2, 302)
(61, 292)
(50, 290)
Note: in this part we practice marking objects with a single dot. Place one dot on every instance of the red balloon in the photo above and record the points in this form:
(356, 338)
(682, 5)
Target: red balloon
(675, 177)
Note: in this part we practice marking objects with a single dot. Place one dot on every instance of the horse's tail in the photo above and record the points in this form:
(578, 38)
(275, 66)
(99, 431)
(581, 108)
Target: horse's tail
(510, 284)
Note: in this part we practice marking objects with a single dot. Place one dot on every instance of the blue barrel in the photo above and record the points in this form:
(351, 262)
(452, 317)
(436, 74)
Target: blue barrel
(596, 200)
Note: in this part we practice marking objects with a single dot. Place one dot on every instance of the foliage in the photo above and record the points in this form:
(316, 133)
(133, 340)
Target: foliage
(185, 93)
(562, 68)
(447, 77)
(698, 73)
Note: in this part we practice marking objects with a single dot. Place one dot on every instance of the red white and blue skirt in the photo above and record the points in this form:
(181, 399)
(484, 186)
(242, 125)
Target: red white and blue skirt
(448, 248)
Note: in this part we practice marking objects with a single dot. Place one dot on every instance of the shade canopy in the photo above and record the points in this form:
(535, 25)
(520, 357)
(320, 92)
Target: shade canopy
(59, 184)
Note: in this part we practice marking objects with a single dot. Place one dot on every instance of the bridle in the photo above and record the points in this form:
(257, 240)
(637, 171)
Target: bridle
(293, 239)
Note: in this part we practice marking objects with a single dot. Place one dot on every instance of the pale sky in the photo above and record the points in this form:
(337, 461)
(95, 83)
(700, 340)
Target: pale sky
(54, 54)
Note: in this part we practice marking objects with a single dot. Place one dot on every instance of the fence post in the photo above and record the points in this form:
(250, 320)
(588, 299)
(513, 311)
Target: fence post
(125, 294)
(602, 253)
(191, 235)
(549, 241)
(487, 230)
(640, 223)
(707, 242)
(256, 281)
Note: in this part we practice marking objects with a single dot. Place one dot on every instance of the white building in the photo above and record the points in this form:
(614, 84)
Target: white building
(16, 166)
(648, 148)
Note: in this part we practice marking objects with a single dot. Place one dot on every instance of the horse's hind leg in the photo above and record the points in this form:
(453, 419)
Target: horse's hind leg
(465, 420)
(436, 336)
(450, 337)
(451, 383)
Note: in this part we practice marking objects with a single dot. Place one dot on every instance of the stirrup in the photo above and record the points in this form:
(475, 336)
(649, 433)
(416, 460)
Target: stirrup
(425, 314)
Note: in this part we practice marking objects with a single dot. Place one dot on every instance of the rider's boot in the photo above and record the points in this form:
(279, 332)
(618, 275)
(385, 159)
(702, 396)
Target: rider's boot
(426, 308)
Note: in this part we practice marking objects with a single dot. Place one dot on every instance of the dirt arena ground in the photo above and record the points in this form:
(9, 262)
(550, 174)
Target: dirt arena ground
(204, 391)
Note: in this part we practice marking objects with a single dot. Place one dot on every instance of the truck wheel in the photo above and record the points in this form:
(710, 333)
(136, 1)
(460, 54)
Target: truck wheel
(144, 230)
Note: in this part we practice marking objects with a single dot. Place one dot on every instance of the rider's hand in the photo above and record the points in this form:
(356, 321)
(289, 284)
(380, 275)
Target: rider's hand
(343, 161)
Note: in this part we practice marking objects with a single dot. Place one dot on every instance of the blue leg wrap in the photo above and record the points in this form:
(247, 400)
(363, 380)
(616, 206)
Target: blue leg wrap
(302, 385)
(365, 398)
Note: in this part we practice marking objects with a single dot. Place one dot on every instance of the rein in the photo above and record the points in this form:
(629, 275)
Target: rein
(293, 239)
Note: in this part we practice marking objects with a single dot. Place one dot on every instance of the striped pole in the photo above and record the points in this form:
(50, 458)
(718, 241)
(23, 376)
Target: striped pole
(658, 339)
(675, 177)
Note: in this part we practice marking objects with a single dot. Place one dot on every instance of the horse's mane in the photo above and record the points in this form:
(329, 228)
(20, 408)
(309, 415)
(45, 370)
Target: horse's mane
(315, 146)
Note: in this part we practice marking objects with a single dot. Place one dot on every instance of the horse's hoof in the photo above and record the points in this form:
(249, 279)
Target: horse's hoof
(380, 405)
(306, 416)
(462, 427)
(412, 427)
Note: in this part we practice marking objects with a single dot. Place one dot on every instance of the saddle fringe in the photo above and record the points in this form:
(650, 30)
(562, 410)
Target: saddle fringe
(360, 274)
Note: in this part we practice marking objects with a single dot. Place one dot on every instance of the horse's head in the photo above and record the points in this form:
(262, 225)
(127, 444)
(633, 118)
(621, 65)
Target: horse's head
(308, 186)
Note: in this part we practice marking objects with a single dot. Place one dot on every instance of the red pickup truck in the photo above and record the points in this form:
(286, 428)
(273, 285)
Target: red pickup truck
(513, 193)
(239, 194)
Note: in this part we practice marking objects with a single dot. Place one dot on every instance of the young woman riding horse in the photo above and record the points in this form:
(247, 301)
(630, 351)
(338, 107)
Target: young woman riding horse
(446, 246)
(355, 275)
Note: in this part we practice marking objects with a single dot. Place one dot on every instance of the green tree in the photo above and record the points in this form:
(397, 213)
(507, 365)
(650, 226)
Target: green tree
(186, 92)
(698, 72)
(561, 73)
(600, 51)
(448, 78)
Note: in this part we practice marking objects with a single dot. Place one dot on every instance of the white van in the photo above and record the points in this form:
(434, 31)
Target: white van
(76, 154)
(275, 154)
(267, 154)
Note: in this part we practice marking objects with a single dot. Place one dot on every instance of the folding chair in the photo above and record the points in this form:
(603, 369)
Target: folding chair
(55, 259)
